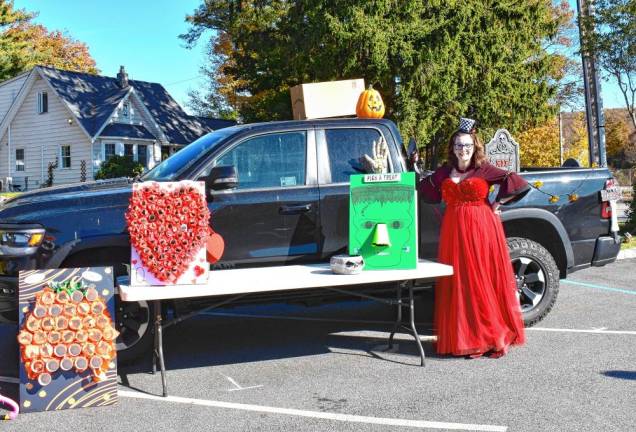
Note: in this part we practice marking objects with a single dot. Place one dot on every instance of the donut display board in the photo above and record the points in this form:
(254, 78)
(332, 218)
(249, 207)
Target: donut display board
(66, 337)
(168, 223)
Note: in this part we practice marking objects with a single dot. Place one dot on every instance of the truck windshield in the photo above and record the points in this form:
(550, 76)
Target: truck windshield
(172, 167)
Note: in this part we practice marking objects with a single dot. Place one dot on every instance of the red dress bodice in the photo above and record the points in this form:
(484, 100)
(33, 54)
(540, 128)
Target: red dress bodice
(470, 191)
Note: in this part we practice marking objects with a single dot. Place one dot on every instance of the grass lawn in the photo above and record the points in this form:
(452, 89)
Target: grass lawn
(629, 245)
(9, 194)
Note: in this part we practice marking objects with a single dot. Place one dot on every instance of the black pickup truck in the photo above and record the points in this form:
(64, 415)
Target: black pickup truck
(290, 204)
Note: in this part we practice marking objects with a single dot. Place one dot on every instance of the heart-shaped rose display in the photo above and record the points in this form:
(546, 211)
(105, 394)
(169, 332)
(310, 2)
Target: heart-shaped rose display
(168, 225)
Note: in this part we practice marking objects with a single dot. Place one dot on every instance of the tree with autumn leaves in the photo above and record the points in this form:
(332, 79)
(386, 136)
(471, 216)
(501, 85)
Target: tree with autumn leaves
(431, 61)
(24, 44)
(611, 38)
(539, 146)
(620, 138)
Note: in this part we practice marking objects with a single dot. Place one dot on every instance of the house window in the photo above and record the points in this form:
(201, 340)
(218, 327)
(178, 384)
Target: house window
(43, 102)
(109, 150)
(65, 156)
(19, 159)
(129, 150)
(124, 110)
(142, 155)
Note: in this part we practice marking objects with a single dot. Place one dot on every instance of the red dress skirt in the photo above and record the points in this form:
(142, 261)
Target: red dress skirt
(476, 309)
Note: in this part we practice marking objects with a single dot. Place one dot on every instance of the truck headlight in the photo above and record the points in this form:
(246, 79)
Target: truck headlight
(20, 242)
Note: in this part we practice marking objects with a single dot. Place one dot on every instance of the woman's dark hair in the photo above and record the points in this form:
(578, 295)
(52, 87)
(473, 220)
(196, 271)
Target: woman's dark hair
(479, 155)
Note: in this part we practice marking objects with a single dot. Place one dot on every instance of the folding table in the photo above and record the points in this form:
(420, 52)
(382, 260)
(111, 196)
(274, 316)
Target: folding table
(230, 285)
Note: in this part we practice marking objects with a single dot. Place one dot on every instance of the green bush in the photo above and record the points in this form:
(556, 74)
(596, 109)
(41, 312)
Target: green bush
(119, 166)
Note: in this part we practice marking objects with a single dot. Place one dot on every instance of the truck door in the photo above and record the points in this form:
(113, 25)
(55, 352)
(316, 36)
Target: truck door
(272, 217)
(338, 153)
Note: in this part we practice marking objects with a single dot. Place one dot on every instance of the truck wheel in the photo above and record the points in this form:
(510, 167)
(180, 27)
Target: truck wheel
(537, 277)
(133, 321)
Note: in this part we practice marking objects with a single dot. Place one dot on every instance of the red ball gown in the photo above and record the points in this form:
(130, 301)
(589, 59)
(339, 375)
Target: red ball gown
(476, 309)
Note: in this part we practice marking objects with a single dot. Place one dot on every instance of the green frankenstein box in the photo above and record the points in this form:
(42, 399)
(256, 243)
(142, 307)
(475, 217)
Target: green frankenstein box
(383, 220)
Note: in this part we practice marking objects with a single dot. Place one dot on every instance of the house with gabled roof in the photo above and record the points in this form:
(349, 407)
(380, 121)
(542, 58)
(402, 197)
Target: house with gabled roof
(75, 121)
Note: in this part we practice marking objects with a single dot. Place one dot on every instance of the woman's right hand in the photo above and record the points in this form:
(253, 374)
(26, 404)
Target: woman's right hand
(495, 208)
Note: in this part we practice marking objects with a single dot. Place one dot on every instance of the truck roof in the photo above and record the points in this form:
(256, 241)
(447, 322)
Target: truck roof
(275, 125)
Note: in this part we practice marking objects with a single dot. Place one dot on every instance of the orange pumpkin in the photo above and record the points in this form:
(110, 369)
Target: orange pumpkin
(370, 104)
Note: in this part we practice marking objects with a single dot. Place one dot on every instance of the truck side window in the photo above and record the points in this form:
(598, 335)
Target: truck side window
(267, 161)
(345, 147)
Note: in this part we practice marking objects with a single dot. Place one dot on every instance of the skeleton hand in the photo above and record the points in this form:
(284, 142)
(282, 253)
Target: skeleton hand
(379, 162)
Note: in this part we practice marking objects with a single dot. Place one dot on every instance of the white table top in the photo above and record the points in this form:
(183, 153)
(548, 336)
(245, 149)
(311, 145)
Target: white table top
(279, 278)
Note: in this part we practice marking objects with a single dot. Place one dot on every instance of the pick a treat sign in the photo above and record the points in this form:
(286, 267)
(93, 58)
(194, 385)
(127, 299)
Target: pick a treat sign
(168, 225)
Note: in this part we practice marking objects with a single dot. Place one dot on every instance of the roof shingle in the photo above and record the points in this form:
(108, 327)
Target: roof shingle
(92, 98)
(127, 130)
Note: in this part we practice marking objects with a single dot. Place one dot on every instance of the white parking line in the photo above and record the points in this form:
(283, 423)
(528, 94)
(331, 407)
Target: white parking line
(421, 424)
(237, 386)
(593, 331)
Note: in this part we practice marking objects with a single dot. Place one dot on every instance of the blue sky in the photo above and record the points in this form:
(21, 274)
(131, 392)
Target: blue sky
(142, 35)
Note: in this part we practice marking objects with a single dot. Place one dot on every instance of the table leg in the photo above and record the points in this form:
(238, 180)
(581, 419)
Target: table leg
(158, 350)
(412, 320)
(398, 321)
(154, 351)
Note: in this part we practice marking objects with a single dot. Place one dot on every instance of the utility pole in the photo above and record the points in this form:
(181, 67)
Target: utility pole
(593, 101)
(560, 137)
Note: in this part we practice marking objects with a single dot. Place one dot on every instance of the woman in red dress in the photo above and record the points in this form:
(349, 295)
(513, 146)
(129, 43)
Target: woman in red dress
(477, 309)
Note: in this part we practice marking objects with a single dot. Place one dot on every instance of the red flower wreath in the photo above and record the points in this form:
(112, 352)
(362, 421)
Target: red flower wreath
(167, 226)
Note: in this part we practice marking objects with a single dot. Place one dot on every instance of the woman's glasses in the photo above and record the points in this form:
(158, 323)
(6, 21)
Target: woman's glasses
(463, 146)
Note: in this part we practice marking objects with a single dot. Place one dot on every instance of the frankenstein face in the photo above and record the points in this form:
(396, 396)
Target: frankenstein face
(391, 205)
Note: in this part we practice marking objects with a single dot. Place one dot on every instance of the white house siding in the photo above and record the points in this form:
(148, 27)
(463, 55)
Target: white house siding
(138, 117)
(3, 162)
(149, 124)
(135, 114)
(41, 135)
(9, 91)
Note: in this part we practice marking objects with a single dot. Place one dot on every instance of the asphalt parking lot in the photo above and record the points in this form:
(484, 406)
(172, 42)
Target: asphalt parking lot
(285, 367)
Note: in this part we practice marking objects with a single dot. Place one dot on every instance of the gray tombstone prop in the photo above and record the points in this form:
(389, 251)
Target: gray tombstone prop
(503, 151)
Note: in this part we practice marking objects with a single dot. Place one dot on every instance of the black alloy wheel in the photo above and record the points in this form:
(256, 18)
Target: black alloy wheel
(133, 321)
(531, 282)
(537, 276)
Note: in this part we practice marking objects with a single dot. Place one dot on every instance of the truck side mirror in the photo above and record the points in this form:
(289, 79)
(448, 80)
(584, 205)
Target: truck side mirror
(222, 177)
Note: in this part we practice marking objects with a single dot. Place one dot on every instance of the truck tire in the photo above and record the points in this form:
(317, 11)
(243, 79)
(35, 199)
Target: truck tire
(133, 320)
(537, 276)
(136, 333)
